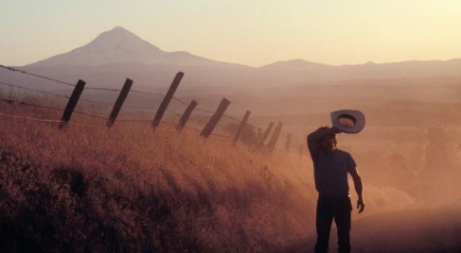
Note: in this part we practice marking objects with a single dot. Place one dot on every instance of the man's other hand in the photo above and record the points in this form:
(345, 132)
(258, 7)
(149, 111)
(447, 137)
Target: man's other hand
(360, 205)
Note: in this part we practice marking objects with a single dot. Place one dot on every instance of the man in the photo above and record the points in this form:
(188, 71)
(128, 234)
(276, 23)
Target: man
(331, 167)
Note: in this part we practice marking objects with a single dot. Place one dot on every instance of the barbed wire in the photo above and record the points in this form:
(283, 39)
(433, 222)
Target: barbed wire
(96, 102)
(112, 105)
(30, 118)
(100, 127)
(232, 118)
(33, 90)
(180, 101)
(30, 104)
(82, 100)
(87, 87)
(47, 120)
(102, 89)
(85, 125)
(196, 120)
(203, 110)
(134, 121)
(63, 96)
(105, 118)
(36, 75)
(91, 115)
(147, 93)
(222, 135)
(102, 103)
(50, 107)
(75, 111)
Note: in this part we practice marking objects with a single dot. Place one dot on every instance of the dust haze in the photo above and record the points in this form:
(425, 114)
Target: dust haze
(409, 154)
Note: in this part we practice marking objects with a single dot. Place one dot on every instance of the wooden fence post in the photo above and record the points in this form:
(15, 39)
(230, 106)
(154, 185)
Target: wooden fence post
(185, 117)
(73, 100)
(166, 100)
(240, 129)
(215, 118)
(288, 143)
(275, 137)
(119, 103)
(263, 138)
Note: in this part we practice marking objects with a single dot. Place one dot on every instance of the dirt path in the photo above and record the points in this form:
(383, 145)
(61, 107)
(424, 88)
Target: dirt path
(422, 231)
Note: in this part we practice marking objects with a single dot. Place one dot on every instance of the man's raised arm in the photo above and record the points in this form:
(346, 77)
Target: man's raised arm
(314, 137)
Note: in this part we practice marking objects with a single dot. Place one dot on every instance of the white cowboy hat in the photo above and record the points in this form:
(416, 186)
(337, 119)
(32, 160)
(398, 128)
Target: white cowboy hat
(348, 121)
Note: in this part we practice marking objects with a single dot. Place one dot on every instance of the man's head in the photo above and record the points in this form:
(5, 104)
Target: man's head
(328, 142)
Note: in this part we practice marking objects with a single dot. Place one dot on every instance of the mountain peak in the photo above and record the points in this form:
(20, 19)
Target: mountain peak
(119, 31)
(119, 28)
(121, 36)
(120, 45)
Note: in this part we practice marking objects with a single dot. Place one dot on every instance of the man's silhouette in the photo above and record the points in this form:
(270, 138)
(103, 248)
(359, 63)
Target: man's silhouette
(331, 167)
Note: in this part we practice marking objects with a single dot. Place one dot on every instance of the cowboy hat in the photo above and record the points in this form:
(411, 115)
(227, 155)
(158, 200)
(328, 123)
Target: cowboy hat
(348, 121)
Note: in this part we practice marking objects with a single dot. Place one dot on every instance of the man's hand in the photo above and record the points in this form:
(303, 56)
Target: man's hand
(335, 130)
(360, 205)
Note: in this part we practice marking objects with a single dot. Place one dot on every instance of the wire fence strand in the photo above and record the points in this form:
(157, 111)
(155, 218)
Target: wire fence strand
(91, 115)
(33, 90)
(232, 118)
(102, 89)
(30, 104)
(30, 118)
(36, 75)
(105, 104)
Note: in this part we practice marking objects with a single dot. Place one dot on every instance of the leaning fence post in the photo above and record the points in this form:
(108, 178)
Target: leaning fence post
(262, 140)
(119, 103)
(166, 100)
(240, 129)
(275, 137)
(215, 118)
(185, 117)
(72, 103)
(288, 143)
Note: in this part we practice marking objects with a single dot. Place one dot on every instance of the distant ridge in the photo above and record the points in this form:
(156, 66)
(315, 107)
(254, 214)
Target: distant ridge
(119, 53)
(299, 69)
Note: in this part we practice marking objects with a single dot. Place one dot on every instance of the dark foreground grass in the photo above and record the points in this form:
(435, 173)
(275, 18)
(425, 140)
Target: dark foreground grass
(132, 190)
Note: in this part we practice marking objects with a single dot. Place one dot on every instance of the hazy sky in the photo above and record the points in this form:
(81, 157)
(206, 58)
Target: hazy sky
(252, 32)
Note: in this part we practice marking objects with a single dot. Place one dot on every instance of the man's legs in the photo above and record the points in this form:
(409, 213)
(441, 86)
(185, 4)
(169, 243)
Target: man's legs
(343, 223)
(323, 224)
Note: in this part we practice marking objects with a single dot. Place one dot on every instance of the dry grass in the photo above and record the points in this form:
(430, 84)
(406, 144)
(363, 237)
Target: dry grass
(130, 189)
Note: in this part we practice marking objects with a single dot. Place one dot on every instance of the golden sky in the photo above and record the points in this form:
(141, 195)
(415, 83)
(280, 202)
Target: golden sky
(251, 32)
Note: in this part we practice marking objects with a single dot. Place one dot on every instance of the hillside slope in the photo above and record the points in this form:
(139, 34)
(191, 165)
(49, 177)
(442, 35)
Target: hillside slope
(129, 189)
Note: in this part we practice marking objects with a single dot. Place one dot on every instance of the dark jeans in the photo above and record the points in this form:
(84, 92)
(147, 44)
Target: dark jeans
(338, 209)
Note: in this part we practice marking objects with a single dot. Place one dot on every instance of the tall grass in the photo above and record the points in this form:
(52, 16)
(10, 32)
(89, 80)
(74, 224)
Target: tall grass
(130, 189)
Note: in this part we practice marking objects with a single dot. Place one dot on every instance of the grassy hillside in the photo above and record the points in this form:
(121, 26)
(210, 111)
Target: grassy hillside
(130, 189)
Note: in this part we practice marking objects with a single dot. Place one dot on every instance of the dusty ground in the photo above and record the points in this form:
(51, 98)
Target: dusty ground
(422, 231)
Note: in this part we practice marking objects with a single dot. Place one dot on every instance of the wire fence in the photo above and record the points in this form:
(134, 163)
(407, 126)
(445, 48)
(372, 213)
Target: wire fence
(115, 106)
